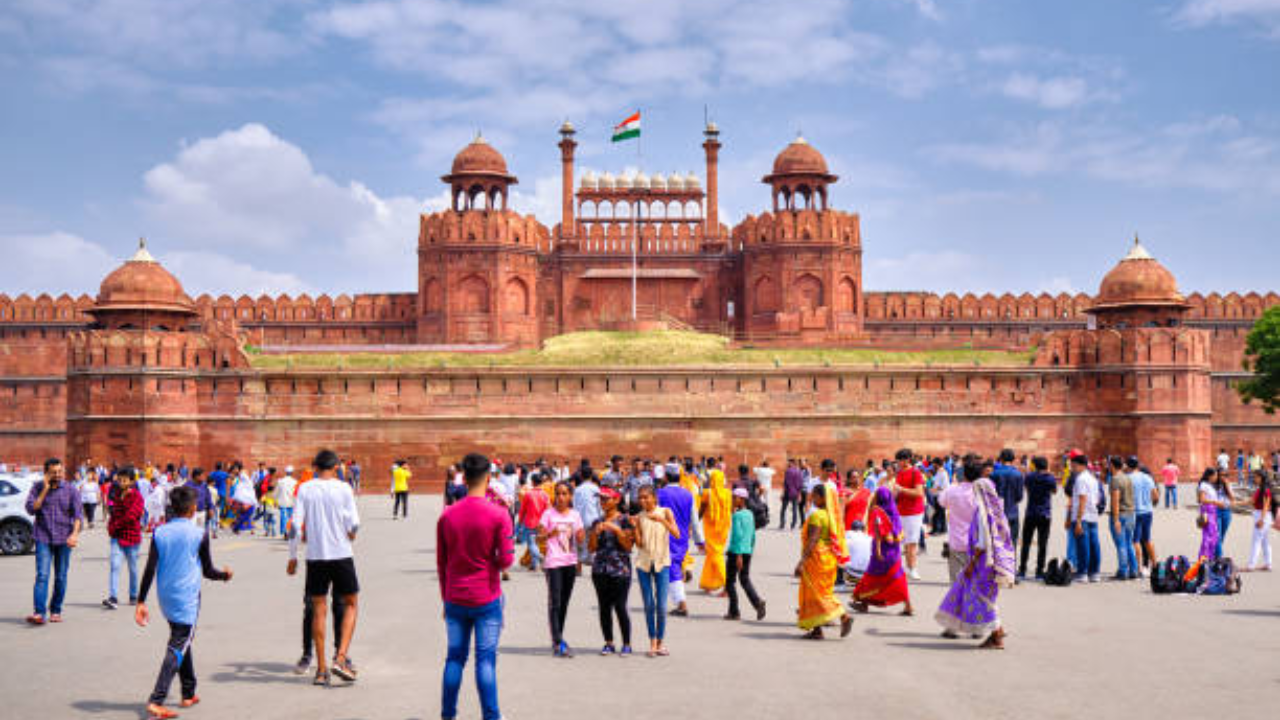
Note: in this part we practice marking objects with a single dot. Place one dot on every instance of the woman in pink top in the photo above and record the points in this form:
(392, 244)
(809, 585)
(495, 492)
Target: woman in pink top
(561, 529)
(1169, 473)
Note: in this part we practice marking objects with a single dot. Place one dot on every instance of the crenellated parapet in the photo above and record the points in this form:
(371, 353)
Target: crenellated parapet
(44, 308)
(284, 309)
(800, 226)
(987, 307)
(481, 228)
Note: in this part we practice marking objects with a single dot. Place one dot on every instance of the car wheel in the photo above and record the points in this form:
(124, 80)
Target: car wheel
(15, 537)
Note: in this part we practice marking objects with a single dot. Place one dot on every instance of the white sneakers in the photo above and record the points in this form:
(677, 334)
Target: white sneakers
(913, 574)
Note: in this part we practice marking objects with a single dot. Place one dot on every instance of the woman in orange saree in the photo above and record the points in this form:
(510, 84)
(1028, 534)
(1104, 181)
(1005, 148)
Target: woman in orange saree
(823, 552)
(716, 508)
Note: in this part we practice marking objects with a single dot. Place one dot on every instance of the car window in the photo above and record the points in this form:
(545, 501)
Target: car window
(7, 489)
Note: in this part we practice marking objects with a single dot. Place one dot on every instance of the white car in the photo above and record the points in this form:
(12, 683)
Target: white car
(15, 524)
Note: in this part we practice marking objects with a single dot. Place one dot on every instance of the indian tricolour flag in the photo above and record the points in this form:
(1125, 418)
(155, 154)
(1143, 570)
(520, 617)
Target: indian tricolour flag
(627, 129)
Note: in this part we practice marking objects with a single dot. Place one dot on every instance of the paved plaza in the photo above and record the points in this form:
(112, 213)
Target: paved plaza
(1097, 651)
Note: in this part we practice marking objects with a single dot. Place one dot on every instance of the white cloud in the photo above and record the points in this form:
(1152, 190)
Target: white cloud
(922, 270)
(53, 263)
(1217, 154)
(161, 33)
(206, 272)
(920, 70)
(1199, 13)
(927, 9)
(1056, 285)
(258, 195)
(1054, 93)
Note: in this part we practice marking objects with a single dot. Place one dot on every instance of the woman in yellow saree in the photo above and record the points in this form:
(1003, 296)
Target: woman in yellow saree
(823, 552)
(689, 481)
(715, 505)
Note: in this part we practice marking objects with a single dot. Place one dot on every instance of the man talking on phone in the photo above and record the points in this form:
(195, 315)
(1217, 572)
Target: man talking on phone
(55, 504)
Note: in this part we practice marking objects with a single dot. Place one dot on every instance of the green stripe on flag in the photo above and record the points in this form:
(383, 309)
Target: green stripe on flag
(626, 135)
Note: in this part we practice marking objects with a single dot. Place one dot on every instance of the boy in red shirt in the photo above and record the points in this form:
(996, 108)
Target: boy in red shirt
(909, 495)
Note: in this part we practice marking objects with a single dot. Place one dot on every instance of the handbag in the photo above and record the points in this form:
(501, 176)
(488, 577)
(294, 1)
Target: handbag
(1201, 521)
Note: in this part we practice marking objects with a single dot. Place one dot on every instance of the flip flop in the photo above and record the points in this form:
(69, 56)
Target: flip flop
(35, 620)
(322, 678)
(846, 626)
(55, 618)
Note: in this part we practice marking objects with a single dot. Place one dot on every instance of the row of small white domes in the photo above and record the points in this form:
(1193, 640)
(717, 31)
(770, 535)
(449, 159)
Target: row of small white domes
(607, 181)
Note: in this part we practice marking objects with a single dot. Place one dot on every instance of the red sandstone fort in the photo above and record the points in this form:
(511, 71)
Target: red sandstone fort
(143, 372)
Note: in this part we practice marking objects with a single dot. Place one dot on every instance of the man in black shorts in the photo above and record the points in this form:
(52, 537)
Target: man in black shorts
(325, 512)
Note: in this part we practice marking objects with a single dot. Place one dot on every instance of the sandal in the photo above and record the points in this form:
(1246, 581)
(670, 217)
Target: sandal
(35, 620)
(814, 634)
(160, 712)
(663, 652)
(55, 618)
(188, 702)
(343, 669)
(322, 678)
(846, 625)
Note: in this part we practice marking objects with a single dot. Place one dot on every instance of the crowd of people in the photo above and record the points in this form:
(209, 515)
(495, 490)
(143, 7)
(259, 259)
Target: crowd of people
(862, 532)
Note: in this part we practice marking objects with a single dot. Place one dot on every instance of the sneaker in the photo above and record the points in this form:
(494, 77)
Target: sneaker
(760, 610)
(625, 652)
(1096, 578)
(565, 650)
(1039, 577)
(914, 575)
(303, 664)
(607, 650)
(110, 603)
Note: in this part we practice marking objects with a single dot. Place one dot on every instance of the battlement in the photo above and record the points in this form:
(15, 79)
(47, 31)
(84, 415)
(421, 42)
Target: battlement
(45, 309)
(481, 228)
(90, 351)
(806, 225)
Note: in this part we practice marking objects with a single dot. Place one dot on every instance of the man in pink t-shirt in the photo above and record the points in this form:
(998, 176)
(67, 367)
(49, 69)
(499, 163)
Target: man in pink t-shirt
(473, 548)
(1170, 473)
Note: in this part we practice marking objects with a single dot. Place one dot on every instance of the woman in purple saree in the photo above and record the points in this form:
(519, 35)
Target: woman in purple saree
(970, 606)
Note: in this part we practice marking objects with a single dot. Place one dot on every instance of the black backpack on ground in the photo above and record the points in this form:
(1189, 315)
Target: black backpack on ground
(1059, 573)
(1169, 575)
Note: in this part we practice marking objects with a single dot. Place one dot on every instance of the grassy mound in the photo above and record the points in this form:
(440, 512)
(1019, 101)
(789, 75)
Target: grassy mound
(660, 347)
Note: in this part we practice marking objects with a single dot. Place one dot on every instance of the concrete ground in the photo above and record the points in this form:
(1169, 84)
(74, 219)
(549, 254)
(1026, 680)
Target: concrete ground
(1098, 651)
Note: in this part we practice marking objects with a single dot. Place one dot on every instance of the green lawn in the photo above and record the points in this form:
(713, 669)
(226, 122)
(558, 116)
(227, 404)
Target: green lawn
(663, 347)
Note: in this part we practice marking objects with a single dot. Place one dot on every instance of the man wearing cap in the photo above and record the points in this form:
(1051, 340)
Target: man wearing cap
(286, 491)
(742, 543)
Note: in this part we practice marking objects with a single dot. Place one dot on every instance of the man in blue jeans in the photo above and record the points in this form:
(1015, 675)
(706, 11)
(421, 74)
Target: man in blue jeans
(55, 504)
(473, 548)
(1123, 520)
(1083, 520)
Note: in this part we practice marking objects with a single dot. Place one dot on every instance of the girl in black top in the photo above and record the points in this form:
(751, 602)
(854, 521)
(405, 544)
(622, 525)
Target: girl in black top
(610, 540)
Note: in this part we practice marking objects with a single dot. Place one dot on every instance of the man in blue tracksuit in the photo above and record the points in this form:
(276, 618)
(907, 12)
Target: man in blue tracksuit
(178, 559)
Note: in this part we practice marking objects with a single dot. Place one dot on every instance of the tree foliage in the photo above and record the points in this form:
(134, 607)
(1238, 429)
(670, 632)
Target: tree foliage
(1262, 358)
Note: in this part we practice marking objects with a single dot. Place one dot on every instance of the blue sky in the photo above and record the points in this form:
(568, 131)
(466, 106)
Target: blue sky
(989, 145)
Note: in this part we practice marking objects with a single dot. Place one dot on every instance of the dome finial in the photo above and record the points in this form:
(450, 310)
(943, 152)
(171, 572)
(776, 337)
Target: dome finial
(1138, 252)
(142, 255)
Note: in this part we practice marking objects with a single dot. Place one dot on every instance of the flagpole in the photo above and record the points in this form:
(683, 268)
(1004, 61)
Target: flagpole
(635, 241)
(635, 234)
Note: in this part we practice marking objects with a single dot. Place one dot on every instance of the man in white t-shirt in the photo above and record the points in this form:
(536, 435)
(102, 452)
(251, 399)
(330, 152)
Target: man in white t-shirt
(764, 474)
(326, 518)
(1083, 520)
